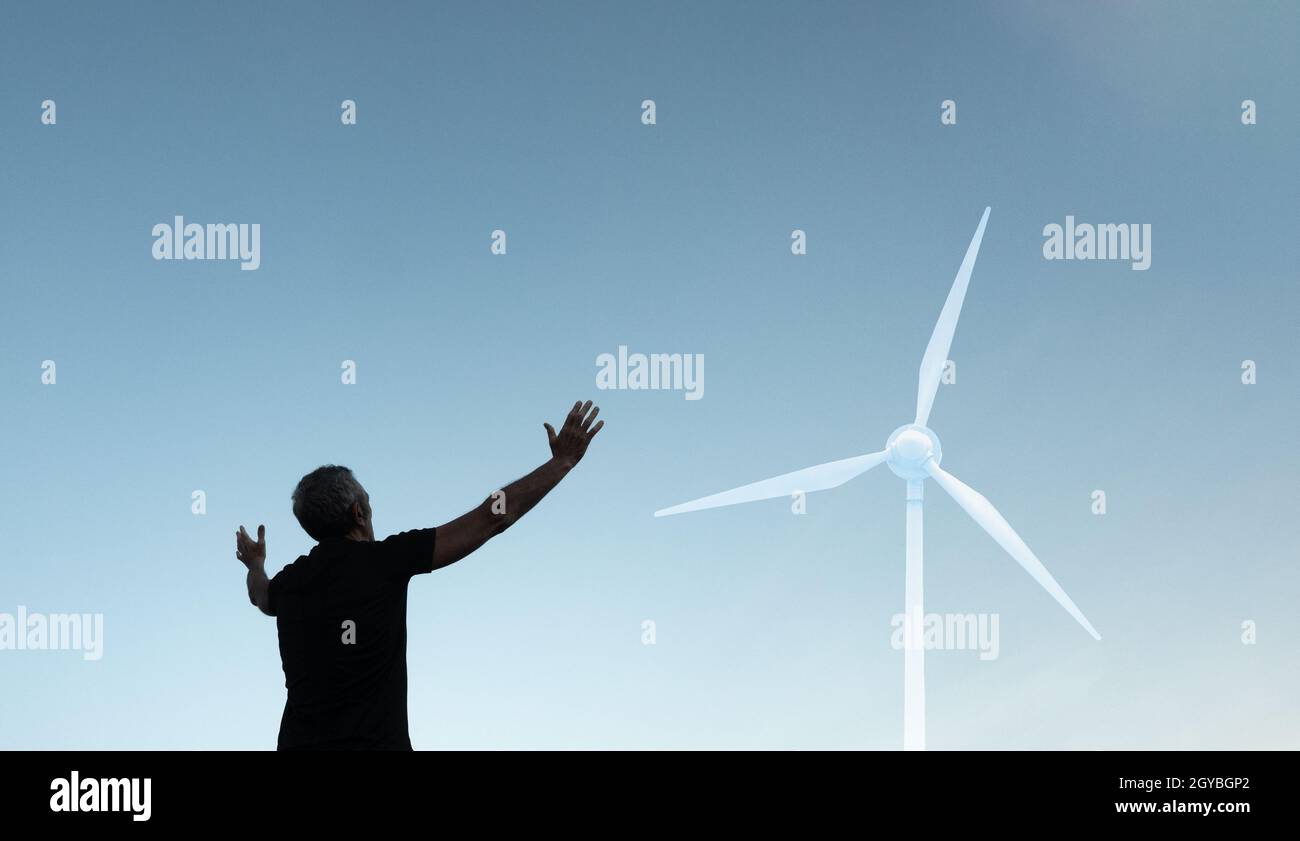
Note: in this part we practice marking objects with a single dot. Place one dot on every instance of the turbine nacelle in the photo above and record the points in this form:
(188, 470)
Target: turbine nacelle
(908, 449)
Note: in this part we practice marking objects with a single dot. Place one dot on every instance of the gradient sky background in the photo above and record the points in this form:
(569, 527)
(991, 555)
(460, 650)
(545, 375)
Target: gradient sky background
(773, 630)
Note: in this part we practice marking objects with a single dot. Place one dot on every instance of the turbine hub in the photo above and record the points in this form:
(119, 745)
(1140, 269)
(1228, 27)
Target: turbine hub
(913, 445)
(910, 447)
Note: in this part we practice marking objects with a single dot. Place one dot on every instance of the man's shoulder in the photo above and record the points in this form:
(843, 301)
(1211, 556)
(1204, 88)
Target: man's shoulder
(410, 542)
(406, 553)
(405, 538)
(295, 568)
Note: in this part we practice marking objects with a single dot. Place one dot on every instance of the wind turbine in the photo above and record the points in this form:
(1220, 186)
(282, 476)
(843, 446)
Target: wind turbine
(913, 453)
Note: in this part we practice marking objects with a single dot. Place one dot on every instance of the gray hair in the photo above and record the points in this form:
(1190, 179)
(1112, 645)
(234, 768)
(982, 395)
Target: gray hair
(323, 501)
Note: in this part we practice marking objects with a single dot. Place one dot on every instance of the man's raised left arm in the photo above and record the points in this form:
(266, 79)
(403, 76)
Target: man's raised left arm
(253, 555)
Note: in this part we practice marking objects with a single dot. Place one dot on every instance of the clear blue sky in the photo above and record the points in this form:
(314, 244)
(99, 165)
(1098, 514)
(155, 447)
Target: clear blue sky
(773, 630)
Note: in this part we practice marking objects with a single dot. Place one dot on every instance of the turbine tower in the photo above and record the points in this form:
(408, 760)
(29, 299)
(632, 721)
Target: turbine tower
(913, 453)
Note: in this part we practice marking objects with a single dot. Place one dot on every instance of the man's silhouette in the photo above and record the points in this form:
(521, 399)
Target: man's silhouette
(341, 609)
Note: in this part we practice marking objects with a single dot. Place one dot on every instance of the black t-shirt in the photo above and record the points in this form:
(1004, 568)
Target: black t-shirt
(341, 614)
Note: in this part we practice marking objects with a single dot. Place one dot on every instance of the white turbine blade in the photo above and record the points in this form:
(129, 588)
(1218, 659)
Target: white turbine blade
(818, 478)
(936, 353)
(983, 512)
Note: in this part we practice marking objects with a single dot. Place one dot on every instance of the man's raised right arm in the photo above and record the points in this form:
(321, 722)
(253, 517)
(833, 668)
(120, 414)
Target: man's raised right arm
(503, 508)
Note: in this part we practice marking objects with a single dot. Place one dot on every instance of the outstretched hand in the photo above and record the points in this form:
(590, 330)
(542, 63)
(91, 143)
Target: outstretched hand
(253, 554)
(569, 445)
